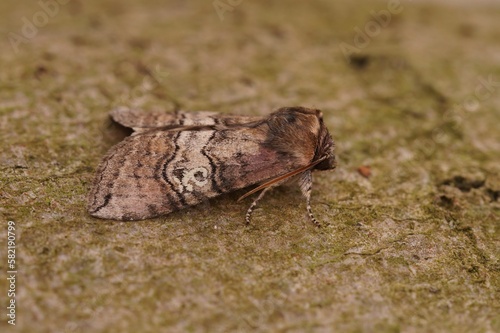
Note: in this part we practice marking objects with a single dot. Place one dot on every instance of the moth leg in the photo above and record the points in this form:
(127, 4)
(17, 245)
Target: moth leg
(305, 183)
(254, 203)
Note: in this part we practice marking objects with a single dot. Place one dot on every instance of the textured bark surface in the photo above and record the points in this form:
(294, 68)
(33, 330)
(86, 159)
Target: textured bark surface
(413, 97)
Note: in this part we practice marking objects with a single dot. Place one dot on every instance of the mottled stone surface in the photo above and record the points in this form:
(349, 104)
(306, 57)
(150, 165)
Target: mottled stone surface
(414, 247)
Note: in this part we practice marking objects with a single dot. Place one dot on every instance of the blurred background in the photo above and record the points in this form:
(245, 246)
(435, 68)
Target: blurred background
(410, 91)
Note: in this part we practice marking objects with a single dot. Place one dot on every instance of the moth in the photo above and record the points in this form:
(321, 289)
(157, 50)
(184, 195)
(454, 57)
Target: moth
(176, 160)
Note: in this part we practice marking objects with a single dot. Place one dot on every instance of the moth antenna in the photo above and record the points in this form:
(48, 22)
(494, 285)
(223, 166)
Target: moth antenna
(281, 178)
(305, 184)
(254, 203)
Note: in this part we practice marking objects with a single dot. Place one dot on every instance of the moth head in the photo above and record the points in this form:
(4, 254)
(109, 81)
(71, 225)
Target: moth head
(325, 148)
(300, 132)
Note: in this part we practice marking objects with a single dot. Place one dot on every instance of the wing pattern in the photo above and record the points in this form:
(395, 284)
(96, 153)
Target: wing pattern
(159, 171)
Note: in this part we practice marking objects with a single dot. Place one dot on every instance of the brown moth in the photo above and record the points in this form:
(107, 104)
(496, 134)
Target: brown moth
(176, 160)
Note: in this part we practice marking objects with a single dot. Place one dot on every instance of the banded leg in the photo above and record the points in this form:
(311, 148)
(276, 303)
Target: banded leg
(254, 203)
(305, 183)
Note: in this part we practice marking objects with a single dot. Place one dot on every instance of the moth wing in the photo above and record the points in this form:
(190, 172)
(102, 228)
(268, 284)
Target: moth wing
(141, 121)
(157, 172)
(128, 185)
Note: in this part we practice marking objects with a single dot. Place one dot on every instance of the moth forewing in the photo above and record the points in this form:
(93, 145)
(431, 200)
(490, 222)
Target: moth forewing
(179, 160)
(141, 121)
